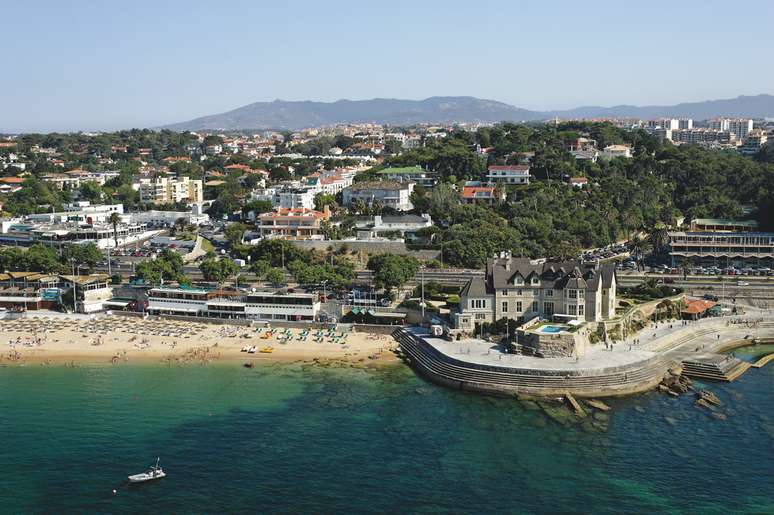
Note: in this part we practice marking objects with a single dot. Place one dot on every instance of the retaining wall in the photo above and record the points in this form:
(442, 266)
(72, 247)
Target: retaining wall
(502, 380)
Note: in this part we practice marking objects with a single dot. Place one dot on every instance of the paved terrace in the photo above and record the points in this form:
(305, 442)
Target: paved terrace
(631, 366)
(474, 350)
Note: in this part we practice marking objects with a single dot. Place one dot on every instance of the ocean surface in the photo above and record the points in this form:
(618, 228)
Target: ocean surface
(293, 439)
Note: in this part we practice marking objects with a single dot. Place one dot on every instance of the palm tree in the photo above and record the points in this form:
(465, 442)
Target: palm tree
(659, 238)
(114, 220)
(638, 248)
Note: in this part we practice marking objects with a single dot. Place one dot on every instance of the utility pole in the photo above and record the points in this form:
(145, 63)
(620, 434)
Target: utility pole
(422, 279)
(75, 291)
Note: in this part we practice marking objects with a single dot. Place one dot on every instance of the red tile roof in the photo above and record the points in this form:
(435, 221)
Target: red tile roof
(471, 191)
(697, 306)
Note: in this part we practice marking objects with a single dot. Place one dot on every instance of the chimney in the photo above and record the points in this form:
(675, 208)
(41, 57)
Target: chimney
(508, 264)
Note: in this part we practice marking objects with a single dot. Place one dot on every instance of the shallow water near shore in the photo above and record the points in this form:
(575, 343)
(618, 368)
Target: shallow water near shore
(292, 439)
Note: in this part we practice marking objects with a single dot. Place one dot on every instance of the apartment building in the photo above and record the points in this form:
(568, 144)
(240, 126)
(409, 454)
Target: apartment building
(739, 127)
(670, 123)
(387, 193)
(508, 174)
(293, 224)
(755, 139)
(700, 136)
(521, 289)
(722, 243)
(331, 182)
(166, 190)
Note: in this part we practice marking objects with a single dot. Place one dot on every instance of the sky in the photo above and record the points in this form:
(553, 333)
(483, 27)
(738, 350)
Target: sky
(86, 65)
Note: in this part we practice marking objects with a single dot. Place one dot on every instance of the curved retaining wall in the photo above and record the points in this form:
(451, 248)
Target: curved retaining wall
(462, 375)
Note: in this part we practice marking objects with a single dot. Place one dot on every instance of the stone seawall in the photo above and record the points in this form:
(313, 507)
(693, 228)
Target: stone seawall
(502, 380)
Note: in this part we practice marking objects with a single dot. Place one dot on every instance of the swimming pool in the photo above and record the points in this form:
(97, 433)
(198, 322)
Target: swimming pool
(550, 329)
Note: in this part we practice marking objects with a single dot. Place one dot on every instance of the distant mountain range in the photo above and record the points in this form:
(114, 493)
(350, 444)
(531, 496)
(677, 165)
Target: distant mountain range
(281, 114)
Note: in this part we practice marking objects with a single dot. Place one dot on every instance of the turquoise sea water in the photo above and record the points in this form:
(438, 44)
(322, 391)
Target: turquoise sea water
(308, 440)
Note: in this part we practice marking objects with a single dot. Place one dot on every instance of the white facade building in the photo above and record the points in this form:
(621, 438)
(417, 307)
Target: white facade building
(509, 174)
(387, 193)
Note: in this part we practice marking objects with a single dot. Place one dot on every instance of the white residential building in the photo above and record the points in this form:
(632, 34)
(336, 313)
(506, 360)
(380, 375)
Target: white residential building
(388, 194)
(736, 126)
(509, 174)
(613, 151)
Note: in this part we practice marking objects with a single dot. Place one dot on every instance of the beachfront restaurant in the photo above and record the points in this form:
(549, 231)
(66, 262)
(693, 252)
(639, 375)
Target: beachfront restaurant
(699, 308)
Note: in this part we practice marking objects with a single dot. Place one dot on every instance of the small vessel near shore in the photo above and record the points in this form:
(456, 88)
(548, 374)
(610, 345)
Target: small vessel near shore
(154, 472)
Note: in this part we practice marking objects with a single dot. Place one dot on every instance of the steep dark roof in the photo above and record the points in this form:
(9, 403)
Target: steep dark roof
(501, 272)
(476, 287)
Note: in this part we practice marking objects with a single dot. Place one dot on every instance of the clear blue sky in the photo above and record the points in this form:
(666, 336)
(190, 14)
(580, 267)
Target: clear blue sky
(89, 65)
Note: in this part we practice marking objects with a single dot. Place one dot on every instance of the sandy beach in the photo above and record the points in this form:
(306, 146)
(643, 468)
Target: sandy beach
(120, 339)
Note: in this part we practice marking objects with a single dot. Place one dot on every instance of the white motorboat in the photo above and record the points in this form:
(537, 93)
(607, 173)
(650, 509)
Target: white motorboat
(252, 350)
(155, 472)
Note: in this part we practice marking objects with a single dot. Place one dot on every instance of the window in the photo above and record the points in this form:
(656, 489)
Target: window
(549, 292)
(535, 306)
(519, 292)
(573, 294)
(535, 281)
(580, 309)
(571, 309)
(518, 306)
(505, 293)
(505, 306)
(518, 280)
(478, 303)
(480, 316)
(580, 294)
(548, 308)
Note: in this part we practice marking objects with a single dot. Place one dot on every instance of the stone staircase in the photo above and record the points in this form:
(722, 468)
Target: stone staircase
(686, 338)
(504, 380)
(715, 367)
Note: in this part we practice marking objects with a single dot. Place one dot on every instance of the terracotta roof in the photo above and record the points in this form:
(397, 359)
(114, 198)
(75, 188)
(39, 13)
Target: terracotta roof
(286, 211)
(473, 191)
(12, 180)
(697, 306)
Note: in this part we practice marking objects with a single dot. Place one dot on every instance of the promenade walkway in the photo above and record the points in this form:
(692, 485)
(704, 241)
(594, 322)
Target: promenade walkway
(625, 367)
